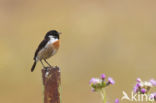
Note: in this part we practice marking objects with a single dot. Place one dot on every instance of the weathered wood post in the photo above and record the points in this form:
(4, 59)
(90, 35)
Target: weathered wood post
(51, 81)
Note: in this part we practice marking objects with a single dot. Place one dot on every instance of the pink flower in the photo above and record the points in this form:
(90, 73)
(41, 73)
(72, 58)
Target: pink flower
(94, 81)
(153, 82)
(103, 76)
(110, 80)
(153, 95)
(117, 100)
(138, 80)
(143, 90)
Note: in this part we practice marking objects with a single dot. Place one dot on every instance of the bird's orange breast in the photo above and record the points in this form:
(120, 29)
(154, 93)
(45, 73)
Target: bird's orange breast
(56, 44)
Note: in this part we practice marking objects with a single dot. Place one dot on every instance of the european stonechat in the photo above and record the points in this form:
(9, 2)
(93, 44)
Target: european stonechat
(47, 48)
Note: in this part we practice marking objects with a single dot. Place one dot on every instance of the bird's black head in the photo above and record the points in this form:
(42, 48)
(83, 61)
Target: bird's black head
(52, 33)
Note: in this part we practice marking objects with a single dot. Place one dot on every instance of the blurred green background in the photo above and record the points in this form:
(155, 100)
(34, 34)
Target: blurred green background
(115, 37)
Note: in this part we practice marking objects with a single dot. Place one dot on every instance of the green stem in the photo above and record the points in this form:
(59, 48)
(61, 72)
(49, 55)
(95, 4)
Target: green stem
(151, 102)
(103, 95)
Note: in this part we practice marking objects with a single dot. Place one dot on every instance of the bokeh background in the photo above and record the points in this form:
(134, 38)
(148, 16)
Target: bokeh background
(115, 37)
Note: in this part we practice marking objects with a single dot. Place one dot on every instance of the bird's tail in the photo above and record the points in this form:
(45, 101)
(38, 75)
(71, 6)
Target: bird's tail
(33, 67)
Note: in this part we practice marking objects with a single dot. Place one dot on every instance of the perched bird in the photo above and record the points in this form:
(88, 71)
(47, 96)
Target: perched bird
(47, 48)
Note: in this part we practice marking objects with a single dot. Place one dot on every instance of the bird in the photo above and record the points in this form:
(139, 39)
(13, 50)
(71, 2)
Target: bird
(47, 48)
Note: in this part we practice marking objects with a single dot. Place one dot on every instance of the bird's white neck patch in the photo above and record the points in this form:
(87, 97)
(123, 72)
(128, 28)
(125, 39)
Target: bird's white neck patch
(52, 39)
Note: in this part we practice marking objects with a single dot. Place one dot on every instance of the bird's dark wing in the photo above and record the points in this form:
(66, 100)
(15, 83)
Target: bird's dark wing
(42, 45)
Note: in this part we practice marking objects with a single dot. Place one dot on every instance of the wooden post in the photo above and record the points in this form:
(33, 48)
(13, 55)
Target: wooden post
(51, 82)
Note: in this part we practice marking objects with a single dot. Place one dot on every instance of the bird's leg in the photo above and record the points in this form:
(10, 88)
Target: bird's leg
(47, 62)
(42, 63)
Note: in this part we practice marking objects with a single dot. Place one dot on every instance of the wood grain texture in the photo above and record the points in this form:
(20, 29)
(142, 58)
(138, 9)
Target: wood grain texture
(51, 82)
